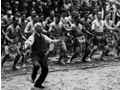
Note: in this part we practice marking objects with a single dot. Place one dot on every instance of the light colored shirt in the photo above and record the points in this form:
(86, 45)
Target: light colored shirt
(56, 26)
(29, 28)
(56, 29)
(98, 26)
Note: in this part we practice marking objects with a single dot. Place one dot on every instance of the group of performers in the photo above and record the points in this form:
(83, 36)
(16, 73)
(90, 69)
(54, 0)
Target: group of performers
(35, 37)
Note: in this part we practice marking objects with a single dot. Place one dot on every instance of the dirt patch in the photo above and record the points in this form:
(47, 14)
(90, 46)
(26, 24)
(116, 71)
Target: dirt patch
(99, 75)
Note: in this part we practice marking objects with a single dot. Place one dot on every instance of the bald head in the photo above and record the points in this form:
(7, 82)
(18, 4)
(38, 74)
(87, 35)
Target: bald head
(38, 27)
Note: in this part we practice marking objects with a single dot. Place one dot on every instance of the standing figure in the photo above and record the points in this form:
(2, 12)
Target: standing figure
(13, 36)
(99, 41)
(37, 42)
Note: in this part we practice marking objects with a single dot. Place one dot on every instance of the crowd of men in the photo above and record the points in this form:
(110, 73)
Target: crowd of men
(37, 29)
(85, 26)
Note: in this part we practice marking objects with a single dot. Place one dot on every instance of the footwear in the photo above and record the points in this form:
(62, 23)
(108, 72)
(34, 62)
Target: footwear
(88, 59)
(42, 87)
(68, 61)
(39, 88)
(61, 63)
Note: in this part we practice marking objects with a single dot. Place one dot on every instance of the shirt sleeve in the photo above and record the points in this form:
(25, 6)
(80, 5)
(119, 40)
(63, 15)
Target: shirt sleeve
(47, 39)
(29, 41)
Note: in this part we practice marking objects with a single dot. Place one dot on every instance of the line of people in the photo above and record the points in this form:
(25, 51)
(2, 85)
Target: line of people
(81, 32)
(75, 30)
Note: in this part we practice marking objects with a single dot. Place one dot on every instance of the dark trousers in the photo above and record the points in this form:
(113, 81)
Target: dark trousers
(37, 62)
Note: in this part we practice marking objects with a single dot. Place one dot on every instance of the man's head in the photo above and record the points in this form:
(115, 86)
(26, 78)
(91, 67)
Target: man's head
(36, 19)
(9, 13)
(23, 15)
(55, 3)
(94, 11)
(38, 28)
(33, 4)
(86, 15)
(41, 17)
(40, 3)
(16, 3)
(73, 14)
(25, 4)
(33, 13)
(49, 3)
(52, 13)
(7, 5)
(64, 12)
(99, 15)
(15, 20)
(57, 18)
(17, 14)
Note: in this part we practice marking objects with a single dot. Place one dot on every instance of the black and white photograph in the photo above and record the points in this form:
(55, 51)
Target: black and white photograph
(60, 44)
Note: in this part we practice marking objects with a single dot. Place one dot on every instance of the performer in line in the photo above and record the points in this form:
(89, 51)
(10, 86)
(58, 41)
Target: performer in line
(99, 41)
(13, 36)
(56, 31)
(80, 43)
(37, 41)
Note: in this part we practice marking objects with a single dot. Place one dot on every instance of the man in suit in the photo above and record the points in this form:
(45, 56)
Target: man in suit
(37, 42)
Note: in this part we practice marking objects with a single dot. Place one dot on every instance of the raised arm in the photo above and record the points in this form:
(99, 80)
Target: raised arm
(49, 40)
